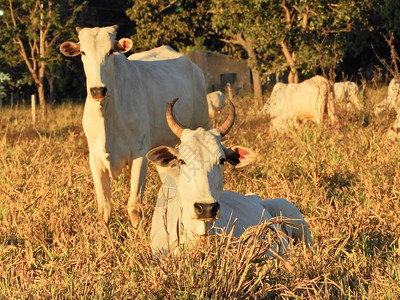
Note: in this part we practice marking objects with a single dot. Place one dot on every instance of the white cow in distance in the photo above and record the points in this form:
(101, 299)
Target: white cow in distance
(392, 99)
(394, 130)
(191, 202)
(347, 93)
(216, 101)
(124, 114)
(293, 102)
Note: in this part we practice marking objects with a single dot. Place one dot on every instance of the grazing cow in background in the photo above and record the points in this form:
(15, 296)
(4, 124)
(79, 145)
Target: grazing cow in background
(191, 199)
(216, 101)
(308, 100)
(124, 114)
(347, 93)
(392, 99)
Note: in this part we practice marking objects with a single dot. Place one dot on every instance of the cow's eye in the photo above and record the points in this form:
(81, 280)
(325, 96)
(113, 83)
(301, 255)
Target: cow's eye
(182, 162)
(83, 53)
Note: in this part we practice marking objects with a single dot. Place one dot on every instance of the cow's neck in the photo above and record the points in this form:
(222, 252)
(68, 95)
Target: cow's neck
(122, 82)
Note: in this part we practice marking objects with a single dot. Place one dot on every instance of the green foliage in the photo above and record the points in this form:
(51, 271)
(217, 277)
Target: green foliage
(390, 11)
(21, 27)
(176, 23)
(314, 31)
(4, 79)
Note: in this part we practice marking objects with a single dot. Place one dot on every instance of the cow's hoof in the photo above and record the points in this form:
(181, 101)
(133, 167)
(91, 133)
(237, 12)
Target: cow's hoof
(104, 213)
(135, 215)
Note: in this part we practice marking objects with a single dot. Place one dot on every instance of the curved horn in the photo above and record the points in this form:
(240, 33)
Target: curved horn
(173, 125)
(230, 120)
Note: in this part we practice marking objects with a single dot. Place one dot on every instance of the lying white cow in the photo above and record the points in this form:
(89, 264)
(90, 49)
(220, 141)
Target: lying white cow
(216, 101)
(347, 93)
(392, 99)
(124, 115)
(192, 199)
(308, 100)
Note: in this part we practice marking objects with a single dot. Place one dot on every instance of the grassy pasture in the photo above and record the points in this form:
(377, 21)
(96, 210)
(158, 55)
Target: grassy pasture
(346, 183)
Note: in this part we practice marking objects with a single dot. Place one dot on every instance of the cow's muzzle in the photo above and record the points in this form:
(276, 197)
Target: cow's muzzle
(98, 93)
(206, 211)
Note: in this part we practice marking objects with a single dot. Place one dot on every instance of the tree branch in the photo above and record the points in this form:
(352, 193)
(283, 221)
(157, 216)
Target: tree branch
(236, 39)
(287, 14)
(19, 42)
(287, 54)
(304, 21)
(164, 7)
(26, 59)
(12, 13)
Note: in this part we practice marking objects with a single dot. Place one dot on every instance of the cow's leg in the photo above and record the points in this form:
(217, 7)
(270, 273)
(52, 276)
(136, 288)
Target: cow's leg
(138, 179)
(101, 181)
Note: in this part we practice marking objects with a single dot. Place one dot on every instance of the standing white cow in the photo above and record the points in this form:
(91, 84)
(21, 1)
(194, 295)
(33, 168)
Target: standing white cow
(392, 99)
(192, 199)
(308, 100)
(216, 101)
(124, 113)
(347, 93)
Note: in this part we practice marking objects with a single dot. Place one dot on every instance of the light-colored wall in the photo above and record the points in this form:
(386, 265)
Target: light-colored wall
(214, 65)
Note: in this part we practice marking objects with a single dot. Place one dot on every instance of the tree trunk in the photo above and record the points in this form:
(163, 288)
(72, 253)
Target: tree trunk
(50, 81)
(291, 59)
(40, 86)
(257, 85)
(293, 75)
(42, 97)
(248, 45)
(42, 65)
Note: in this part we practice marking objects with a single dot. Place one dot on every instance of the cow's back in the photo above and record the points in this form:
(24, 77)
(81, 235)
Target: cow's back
(244, 211)
(166, 75)
(159, 53)
(307, 100)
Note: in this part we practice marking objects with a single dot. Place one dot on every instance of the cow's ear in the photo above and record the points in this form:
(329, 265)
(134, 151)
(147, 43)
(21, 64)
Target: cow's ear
(239, 156)
(163, 156)
(70, 49)
(123, 45)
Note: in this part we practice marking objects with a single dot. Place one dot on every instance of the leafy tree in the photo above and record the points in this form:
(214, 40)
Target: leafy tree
(241, 24)
(30, 31)
(275, 36)
(390, 12)
(294, 34)
(176, 23)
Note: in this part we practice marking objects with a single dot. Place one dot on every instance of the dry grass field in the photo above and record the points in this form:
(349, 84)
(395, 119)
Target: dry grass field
(346, 183)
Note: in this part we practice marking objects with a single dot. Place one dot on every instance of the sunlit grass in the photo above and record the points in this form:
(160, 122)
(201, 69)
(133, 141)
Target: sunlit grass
(346, 183)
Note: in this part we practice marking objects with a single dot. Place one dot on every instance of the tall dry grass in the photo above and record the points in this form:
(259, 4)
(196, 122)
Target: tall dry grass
(346, 183)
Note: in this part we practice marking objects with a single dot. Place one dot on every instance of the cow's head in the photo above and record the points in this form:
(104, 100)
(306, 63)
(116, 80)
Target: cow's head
(200, 158)
(275, 104)
(96, 47)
